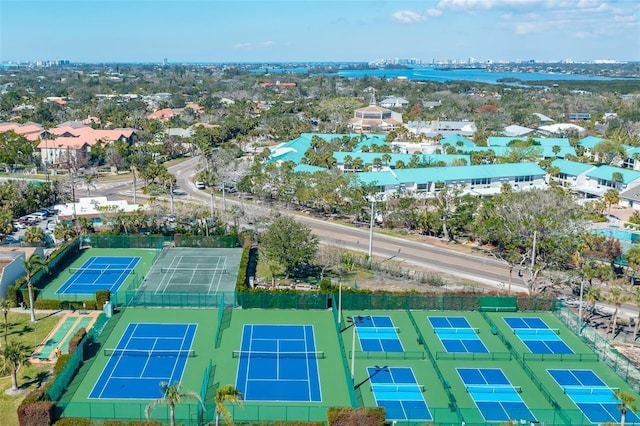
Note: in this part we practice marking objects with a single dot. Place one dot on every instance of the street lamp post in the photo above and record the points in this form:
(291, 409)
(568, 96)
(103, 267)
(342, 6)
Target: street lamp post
(354, 321)
(373, 202)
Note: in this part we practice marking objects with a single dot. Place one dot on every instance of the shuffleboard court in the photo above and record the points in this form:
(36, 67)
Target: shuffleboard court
(278, 363)
(99, 273)
(537, 335)
(591, 395)
(146, 355)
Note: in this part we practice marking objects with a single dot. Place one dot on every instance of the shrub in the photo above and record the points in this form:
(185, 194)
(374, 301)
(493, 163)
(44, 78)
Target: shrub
(102, 296)
(76, 339)
(36, 413)
(73, 421)
(47, 303)
(344, 416)
(60, 363)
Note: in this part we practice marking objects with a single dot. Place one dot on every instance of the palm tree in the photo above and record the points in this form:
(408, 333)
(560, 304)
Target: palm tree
(627, 401)
(31, 265)
(89, 180)
(617, 298)
(227, 393)
(14, 356)
(171, 395)
(4, 306)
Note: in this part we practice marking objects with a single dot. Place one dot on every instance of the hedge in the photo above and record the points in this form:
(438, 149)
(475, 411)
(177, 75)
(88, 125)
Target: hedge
(36, 413)
(345, 416)
(75, 340)
(102, 296)
(78, 421)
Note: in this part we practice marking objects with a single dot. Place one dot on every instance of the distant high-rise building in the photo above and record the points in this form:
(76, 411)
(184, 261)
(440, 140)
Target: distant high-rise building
(164, 62)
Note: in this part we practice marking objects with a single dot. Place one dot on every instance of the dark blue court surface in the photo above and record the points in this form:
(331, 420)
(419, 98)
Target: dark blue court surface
(99, 273)
(536, 334)
(457, 335)
(278, 363)
(496, 398)
(396, 389)
(596, 400)
(146, 355)
(377, 334)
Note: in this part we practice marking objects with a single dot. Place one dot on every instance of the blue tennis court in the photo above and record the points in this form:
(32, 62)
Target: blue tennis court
(537, 335)
(496, 398)
(278, 363)
(145, 356)
(596, 400)
(457, 335)
(397, 391)
(99, 273)
(377, 334)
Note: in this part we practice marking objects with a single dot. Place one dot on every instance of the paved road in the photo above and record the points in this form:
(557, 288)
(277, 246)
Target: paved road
(421, 255)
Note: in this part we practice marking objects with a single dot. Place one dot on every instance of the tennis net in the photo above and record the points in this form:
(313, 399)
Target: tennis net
(535, 331)
(194, 270)
(456, 330)
(374, 330)
(102, 271)
(588, 390)
(493, 389)
(395, 387)
(278, 355)
(151, 353)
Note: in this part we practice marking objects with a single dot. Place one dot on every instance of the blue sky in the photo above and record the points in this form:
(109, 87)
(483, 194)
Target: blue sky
(310, 30)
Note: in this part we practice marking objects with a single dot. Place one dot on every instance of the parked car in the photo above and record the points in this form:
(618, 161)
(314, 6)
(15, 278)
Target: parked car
(19, 225)
(34, 219)
(200, 185)
(27, 221)
(41, 216)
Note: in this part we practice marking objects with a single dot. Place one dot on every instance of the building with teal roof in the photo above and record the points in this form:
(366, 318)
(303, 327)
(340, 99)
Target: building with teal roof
(456, 141)
(506, 140)
(542, 152)
(589, 142)
(308, 168)
(603, 176)
(474, 180)
(295, 149)
(368, 159)
(572, 173)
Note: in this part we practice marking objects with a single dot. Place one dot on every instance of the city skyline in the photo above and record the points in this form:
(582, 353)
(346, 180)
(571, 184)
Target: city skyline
(312, 31)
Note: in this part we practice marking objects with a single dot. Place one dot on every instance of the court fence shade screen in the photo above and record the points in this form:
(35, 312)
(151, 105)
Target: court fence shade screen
(591, 395)
(457, 335)
(377, 334)
(99, 273)
(145, 356)
(285, 367)
(396, 390)
(538, 336)
(494, 395)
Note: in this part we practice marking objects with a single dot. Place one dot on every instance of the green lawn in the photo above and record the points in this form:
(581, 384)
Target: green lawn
(31, 376)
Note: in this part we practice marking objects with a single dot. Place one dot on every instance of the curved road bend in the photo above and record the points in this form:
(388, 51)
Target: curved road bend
(477, 269)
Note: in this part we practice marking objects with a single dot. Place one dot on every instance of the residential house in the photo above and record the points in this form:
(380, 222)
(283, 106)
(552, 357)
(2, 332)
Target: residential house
(12, 265)
(394, 102)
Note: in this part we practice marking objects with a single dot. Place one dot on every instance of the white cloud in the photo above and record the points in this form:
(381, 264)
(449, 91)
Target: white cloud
(408, 16)
(265, 43)
(241, 45)
(583, 35)
(486, 4)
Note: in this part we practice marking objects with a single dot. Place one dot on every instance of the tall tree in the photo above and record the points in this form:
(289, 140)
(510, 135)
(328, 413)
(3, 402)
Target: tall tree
(172, 395)
(227, 393)
(31, 266)
(289, 243)
(542, 228)
(13, 357)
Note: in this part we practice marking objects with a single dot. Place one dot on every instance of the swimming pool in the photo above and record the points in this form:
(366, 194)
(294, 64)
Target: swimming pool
(618, 233)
